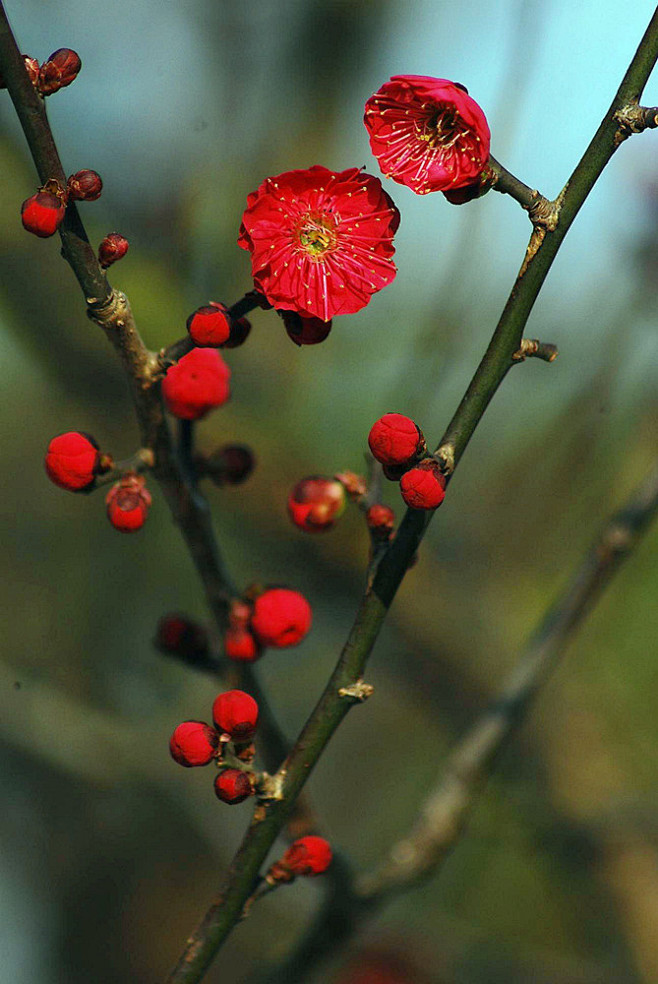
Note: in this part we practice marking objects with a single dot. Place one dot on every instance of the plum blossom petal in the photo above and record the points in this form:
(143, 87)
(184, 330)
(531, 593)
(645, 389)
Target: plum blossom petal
(321, 241)
(427, 133)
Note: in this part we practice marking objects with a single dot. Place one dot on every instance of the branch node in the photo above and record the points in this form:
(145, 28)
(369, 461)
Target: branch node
(445, 455)
(634, 119)
(271, 787)
(543, 212)
(111, 313)
(358, 691)
(533, 348)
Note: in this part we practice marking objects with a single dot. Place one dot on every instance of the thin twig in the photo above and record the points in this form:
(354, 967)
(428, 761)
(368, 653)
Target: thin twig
(216, 925)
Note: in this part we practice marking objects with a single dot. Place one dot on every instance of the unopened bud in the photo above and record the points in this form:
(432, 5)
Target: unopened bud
(58, 71)
(111, 249)
(304, 330)
(85, 186)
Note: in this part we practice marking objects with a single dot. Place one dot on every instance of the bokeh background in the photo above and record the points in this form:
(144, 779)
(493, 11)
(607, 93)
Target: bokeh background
(108, 851)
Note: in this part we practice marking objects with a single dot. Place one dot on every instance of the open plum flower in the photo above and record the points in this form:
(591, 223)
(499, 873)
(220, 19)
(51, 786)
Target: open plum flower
(321, 241)
(427, 133)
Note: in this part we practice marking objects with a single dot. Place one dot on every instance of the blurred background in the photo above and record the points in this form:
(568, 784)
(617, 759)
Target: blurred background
(109, 852)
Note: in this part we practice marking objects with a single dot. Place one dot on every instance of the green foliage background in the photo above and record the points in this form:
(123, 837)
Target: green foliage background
(109, 851)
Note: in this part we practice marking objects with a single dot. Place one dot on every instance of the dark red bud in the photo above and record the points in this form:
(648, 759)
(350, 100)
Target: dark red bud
(180, 636)
(305, 331)
(58, 71)
(395, 472)
(85, 186)
(112, 248)
(233, 786)
(231, 464)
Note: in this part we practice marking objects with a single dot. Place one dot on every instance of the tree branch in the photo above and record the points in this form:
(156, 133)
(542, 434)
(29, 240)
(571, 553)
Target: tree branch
(268, 819)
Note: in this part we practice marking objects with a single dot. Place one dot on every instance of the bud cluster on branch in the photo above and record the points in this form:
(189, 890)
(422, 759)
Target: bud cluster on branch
(321, 245)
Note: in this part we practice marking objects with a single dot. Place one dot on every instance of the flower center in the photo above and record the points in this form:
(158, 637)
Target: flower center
(316, 234)
(442, 129)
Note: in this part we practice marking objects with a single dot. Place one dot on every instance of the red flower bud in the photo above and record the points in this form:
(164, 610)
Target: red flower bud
(380, 520)
(128, 503)
(85, 186)
(231, 464)
(73, 461)
(196, 384)
(240, 329)
(42, 214)
(308, 856)
(235, 713)
(240, 646)
(315, 503)
(423, 487)
(395, 439)
(305, 331)
(193, 743)
(111, 249)
(233, 786)
(210, 325)
(59, 70)
(281, 618)
(182, 637)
